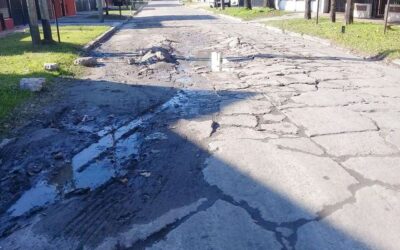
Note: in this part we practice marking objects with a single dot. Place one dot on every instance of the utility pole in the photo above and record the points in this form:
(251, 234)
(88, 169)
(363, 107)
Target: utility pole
(45, 16)
(33, 22)
(100, 10)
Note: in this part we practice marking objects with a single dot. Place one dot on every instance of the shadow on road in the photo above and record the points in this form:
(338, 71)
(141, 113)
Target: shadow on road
(164, 173)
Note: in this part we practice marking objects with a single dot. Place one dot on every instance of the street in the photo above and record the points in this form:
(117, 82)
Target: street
(283, 143)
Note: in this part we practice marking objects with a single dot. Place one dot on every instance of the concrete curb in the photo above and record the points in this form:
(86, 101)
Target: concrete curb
(327, 42)
(109, 33)
(322, 41)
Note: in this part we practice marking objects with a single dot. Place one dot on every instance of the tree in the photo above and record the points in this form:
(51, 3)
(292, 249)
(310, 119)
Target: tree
(247, 4)
(45, 16)
(307, 10)
(333, 11)
(100, 10)
(269, 4)
(33, 22)
(349, 15)
(222, 4)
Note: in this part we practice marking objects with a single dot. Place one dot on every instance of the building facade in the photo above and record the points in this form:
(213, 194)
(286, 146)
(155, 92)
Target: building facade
(6, 20)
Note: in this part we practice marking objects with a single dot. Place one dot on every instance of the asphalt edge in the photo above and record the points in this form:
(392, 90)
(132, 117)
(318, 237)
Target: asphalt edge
(311, 38)
(109, 33)
(326, 42)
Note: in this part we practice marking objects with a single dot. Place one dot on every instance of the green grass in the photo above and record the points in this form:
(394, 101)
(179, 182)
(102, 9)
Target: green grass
(246, 14)
(363, 37)
(19, 59)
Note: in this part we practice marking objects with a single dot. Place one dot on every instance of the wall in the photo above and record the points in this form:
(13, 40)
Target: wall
(299, 6)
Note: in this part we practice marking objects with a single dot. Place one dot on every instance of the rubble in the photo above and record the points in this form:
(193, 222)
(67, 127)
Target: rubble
(32, 84)
(234, 42)
(86, 61)
(157, 54)
(131, 61)
(51, 66)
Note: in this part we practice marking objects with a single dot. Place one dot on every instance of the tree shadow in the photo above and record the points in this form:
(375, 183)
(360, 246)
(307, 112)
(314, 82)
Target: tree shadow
(20, 43)
(166, 172)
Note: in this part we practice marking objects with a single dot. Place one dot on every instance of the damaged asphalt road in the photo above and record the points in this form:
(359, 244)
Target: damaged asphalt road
(281, 144)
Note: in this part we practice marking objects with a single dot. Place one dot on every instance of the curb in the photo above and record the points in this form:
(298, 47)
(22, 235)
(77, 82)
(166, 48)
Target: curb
(327, 42)
(109, 33)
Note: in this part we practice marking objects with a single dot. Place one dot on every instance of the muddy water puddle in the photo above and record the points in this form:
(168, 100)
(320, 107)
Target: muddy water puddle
(215, 61)
(99, 162)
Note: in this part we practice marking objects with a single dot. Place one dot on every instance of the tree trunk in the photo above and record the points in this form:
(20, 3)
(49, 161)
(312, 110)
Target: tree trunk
(222, 4)
(33, 22)
(349, 12)
(45, 16)
(269, 4)
(247, 4)
(307, 11)
(333, 11)
(100, 10)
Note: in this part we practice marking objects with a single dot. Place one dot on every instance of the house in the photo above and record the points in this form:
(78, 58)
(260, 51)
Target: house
(18, 11)
(85, 5)
(63, 8)
(6, 21)
(362, 8)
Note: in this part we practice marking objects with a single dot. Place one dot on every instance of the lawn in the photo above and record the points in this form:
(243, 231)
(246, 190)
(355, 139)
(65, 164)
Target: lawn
(245, 14)
(19, 59)
(363, 37)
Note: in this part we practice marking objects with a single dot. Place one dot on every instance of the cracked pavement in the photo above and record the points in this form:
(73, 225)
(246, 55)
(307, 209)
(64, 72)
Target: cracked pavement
(292, 145)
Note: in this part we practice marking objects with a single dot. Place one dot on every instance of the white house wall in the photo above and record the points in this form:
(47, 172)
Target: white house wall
(299, 6)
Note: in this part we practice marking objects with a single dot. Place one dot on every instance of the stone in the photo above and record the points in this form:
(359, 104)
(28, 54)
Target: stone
(302, 144)
(131, 61)
(383, 169)
(281, 128)
(58, 156)
(222, 226)
(234, 42)
(371, 222)
(238, 120)
(329, 120)
(255, 107)
(32, 84)
(361, 143)
(86, 61)
(157, 54)
(283, 185)
(51, 66)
